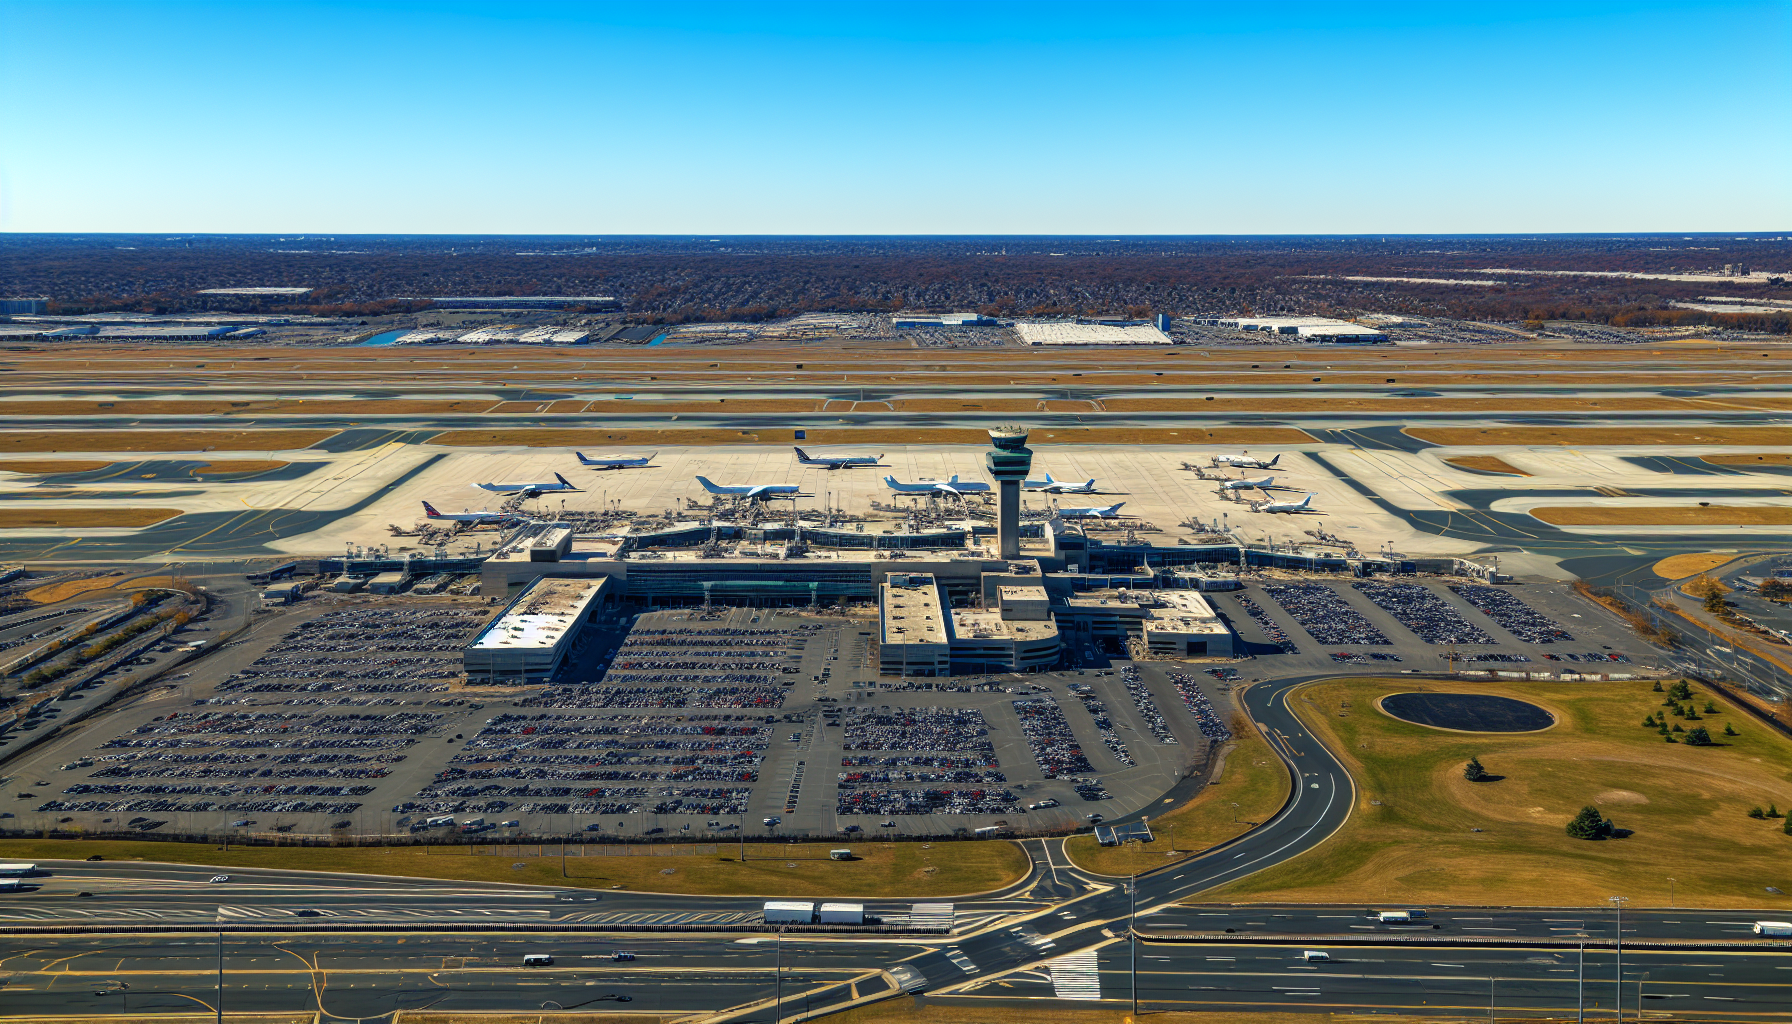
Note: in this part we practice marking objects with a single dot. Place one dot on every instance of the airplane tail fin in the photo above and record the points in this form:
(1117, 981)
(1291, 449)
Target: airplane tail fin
(1272, 462)
(711, 488)
(802, 456)
(1089, 485)
(1267, 481)
(1113, 509)
(563, 480)
(430, 510)
(1048, 478)
(1306, 501)
(583, 460)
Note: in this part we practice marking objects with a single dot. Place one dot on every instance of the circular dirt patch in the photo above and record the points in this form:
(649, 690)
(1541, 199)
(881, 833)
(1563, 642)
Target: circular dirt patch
(1466, 712)
(1621, 796)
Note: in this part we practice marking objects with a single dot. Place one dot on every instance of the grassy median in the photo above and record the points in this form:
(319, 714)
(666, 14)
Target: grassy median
(1665, 515)
(1251, 777)
(1422, 833)
(771, 869)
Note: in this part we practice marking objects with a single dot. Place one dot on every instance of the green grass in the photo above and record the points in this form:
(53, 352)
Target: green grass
(1253, 777)
(884, 869)
(1687, 806)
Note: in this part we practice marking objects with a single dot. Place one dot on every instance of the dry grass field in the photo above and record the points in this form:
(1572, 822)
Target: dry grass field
(1420, 833)
(1465, 436)
(1675, 567)
(239, 467)
(128, 440)
(910, 1010)
(51, 467)
(554, 437)
(1486, 464)
(202, 407)
(54, 592)
(1252, 777)
(777, 869)
(1764, 459)
(1665, 515)
(80, 518)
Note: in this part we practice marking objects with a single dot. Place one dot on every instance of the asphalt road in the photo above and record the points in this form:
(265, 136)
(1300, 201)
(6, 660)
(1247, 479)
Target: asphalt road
(1003, 950)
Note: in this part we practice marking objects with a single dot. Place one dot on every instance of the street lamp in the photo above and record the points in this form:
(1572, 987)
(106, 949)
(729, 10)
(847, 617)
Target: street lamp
(1639, 995)
(1618, 902)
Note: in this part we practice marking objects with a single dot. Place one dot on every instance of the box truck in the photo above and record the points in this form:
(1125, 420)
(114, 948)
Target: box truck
(1776, 928)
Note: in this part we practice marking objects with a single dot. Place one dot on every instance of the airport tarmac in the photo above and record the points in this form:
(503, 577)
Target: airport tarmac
(1375, 488)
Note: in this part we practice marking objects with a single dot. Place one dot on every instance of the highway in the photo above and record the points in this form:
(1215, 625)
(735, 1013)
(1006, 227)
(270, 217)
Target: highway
(454, 945)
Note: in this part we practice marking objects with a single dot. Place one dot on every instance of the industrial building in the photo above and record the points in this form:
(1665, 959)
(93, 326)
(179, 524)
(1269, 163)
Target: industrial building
(524, 301)
(1317, 328)
(900, 320)
(530, 639)
(1060, 332)
(27, 304)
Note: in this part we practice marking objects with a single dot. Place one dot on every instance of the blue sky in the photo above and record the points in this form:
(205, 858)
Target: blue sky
(949, 118)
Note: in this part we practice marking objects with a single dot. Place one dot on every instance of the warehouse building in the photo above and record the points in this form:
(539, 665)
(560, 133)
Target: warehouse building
(1317, 328)
(900, 320)
(1060, 332)
(530, 639)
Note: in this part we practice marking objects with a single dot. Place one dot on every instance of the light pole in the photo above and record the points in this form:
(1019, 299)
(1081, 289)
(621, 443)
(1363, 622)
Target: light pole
(1618, 902)
(220, 998)
(1132, 934)
(778, 976)
(1490, 999)
(1580, 985)
(1639, 995)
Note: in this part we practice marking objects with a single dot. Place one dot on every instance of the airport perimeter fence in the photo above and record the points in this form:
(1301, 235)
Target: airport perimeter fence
(621, 846)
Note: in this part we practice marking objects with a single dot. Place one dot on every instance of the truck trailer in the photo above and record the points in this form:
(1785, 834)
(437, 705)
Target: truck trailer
(843, 913)
(789, 912)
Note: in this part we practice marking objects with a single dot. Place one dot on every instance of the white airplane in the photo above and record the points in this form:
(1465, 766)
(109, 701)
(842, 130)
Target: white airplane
(479, 518)
(621, 462)
(529, 490)
(1245, 461)
(1303, 505)
(838, 461)
(1051, 486)
(748, 490)
(1090, 513)
(952, 486)
(1245, 485)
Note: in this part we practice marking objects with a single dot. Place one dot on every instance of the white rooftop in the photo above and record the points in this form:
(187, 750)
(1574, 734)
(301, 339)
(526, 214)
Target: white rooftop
(1061, 333)
(541, 617)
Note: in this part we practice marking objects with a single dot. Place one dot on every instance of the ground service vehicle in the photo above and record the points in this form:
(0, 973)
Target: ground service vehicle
(1315, 956)
(537, 960)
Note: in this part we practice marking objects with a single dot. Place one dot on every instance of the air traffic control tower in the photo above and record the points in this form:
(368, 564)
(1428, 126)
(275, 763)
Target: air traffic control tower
(1009, 463)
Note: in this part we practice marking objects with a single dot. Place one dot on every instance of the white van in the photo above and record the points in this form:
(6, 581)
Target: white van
(1315, 956)
(537, 960)
(1394, 916)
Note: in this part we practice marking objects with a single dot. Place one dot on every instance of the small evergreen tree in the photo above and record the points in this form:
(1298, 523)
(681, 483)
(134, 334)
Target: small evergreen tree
(1657, 686)
(1677, 711)
(1698, 737)
(1682, 690)
(1679, 729)
(1730, 730)
(1789, 826)
(1757, 813)
(1473, 771)
(1773, 811)
(1588, 824)
(1710, 707)
(1649, 722)
(1669, 737)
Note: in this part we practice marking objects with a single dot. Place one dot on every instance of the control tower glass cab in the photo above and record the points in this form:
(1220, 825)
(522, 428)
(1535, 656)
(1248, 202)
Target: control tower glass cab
(1008, 463)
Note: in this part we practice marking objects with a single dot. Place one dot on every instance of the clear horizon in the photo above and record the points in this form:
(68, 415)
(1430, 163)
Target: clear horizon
(864, 120)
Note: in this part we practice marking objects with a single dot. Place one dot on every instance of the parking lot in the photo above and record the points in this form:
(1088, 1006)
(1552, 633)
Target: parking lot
(1425, 625)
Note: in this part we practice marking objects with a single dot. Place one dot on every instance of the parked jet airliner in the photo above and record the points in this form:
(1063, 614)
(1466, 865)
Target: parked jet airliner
(1108, 512)
(748, 490)
(620, 462)
(529, 490)
(1303, 505)
(1051, 486)
(952, 486)
(479, 518)
(1245, 461)
(837, 461)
